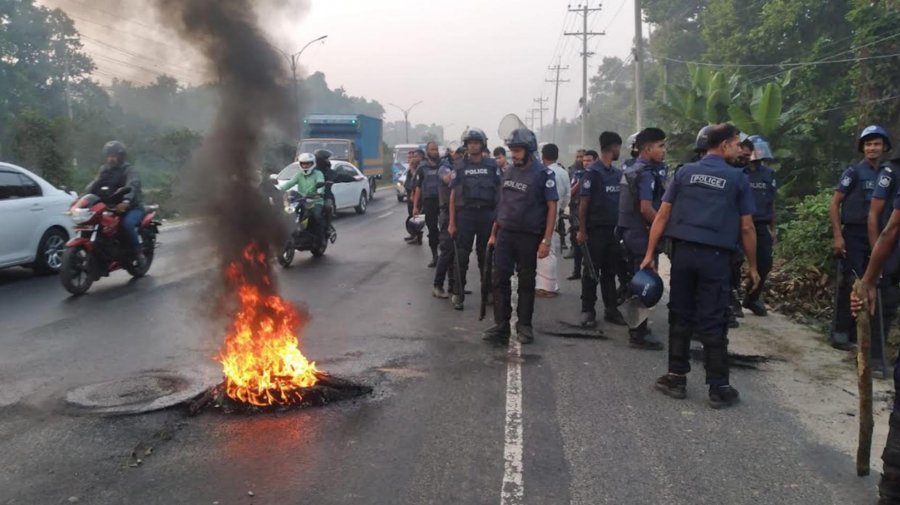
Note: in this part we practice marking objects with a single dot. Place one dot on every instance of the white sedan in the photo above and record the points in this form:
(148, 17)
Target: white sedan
(34, 226)
(350, 188)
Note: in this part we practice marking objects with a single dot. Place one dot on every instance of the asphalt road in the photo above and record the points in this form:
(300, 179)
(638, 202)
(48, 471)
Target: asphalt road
(446, 423)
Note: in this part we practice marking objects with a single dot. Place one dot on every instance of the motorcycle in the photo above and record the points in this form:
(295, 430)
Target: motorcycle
(303, 238)
(100, 247)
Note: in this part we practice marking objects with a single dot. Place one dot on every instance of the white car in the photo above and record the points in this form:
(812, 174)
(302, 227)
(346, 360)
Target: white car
(34, 227)
(350, 188)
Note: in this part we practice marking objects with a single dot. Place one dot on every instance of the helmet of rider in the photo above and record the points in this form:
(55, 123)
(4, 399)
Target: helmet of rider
(307, 163)
(115, 148)
(874, 131)
(761, 149)
(647, 287)
(522, 137)
(474, 134)
(702, 142)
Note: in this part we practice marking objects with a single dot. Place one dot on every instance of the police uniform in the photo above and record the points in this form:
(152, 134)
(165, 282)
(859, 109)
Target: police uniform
(600, 188)
(708, 200)
(445, 246)
(857, 184)
(410, 186)
(643, 180)
(762, 185)
(476, 188)
(886, 188)
(428, 182)
(576, 174)
(521, 221)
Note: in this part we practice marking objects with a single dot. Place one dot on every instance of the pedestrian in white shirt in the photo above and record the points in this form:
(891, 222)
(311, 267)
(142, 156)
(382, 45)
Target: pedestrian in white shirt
(548, 268)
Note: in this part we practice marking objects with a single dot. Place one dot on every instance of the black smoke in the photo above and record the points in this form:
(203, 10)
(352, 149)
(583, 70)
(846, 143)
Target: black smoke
(255, 101)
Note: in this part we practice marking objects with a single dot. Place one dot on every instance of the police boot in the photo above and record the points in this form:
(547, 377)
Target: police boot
(457, 301)
(589, 319)
(641, 338)
(524, 333)
(434, 256)
(841, 341)
(723, 396)
(417, 240)
(613, 316)
(497, 334)
(889, 487)
(756, 306)
(672, 385)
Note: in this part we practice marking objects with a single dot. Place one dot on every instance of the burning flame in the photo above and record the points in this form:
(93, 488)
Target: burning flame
(262, 360)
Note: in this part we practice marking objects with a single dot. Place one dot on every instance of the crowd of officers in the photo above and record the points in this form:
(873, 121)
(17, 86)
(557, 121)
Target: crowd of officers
(709, 215)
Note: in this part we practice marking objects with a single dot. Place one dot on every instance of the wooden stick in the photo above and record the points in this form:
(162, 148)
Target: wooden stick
(864, 374)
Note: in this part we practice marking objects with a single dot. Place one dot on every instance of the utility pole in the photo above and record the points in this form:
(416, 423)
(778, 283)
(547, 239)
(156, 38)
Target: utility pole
(529, 116)
(406, 116)
(541, 109)
(557, 68)
(294, 60)
(585, 12)
(638, 62)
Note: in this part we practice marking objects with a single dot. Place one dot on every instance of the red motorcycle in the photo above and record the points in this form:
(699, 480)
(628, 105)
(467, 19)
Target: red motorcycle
(100, 246)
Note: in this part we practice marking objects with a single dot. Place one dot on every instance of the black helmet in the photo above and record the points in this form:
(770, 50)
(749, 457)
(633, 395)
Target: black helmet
(522, 137)
(647, 287)
(415, 224)
(702, 143)
(323, 154)
(115, 148)
(474, 134)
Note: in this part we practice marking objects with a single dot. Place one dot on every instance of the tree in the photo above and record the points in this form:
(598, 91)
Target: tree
(38, 144)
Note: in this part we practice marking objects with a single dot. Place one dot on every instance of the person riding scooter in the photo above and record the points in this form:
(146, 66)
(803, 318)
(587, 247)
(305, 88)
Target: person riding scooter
(308, 181)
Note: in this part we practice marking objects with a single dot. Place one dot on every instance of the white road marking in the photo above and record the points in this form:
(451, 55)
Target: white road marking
(386, 214)
(513, 489)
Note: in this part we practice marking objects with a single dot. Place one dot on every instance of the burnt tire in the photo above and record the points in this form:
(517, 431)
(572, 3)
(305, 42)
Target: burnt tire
(75, 271)
(363, 203)
(48, 259)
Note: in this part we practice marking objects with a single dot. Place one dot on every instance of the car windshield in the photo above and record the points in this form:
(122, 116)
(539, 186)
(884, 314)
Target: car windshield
(401, 154)
(339, 150)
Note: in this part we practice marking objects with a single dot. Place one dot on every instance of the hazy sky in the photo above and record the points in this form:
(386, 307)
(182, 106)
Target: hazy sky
(469, 61)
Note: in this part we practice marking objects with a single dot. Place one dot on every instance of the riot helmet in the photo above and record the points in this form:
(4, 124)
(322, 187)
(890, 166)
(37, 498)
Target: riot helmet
(874, 131)
(647, 287)
(761, 149)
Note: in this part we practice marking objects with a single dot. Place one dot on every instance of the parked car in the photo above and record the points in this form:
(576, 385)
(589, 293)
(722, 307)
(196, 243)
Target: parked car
(34, 227)
(350, 188)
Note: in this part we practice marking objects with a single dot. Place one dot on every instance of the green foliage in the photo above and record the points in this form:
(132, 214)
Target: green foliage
(805, 238)
(38, 143)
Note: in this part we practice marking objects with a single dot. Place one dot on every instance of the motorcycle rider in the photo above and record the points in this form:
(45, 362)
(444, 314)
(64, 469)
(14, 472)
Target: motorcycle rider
(116, 174)
(323, 164)
(307, 181)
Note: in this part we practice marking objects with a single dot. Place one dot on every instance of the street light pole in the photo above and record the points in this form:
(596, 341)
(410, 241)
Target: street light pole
(406, 116)
(294, 59)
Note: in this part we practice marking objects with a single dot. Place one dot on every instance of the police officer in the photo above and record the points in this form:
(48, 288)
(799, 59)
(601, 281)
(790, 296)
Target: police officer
(762, 185)
(598, 213)
(446, 251)
(735, 309)
(885, 248)
(850, 208)
(526, 217)
(706, 210)
(427, 198)
(576, 171)
(474, 190)
(642, 186)
(414, 158)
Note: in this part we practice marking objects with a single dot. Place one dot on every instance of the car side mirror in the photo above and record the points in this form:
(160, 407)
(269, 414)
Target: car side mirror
(273, 177)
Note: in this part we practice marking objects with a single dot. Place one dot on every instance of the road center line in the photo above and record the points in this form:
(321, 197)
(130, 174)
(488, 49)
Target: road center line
(386, 214)
(512, 491)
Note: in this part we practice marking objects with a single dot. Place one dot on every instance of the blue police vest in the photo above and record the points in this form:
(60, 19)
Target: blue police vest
(629, 197)
(706, 209)
(430, 181)
(604, 185)
(522, 203)
(479, 183)
(887, 179)
(855, 207)
(443, 191)
(763, 191)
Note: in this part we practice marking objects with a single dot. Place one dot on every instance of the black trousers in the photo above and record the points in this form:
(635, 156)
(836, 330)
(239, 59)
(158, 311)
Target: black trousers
(857, 242)
(432, 209)
(699, 294)
(446, 253)
(473, 226)
(606, 255)
(515, 252)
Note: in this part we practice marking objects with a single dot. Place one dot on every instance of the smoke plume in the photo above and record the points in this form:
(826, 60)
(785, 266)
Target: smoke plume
(255, 95)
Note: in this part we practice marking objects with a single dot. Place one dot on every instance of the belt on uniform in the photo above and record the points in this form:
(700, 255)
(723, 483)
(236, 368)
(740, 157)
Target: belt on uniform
(478, 206)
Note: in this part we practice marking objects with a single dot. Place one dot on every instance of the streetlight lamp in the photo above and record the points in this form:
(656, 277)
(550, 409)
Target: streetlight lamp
(294, 59)
(406, 116)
